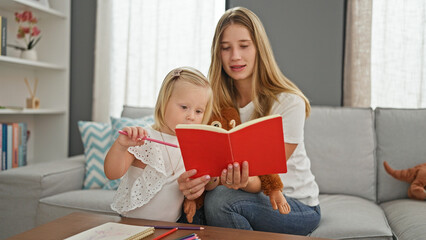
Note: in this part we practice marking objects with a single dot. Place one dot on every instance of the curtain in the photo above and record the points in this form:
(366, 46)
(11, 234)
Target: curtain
(356, 83)
(385, 54)
(139, 41)
(398, 54)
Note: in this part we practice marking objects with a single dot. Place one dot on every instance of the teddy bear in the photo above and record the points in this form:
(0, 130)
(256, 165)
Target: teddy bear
(416, 176)
(271, 184)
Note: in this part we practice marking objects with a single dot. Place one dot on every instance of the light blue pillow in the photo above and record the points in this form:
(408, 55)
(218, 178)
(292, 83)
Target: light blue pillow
(112, 184)
(120, 123)
(96, 139)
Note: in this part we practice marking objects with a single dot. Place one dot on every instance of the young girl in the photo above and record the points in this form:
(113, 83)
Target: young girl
(244, 75)
(149, 188)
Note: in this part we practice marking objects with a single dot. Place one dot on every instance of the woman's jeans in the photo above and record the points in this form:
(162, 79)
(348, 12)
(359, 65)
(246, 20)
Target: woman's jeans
(230, 208)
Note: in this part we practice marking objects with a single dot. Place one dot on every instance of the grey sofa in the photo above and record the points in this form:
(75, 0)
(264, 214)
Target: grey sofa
(347, 147)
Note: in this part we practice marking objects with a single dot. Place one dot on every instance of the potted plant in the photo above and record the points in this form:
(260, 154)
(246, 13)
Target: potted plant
(29, 33)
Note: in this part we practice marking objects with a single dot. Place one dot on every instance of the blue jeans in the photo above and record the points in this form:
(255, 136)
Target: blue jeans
(198, 218)
(230, 208)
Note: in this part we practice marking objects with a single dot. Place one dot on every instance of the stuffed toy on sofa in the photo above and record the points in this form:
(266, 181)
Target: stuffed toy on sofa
(415, 175)
(271, 184)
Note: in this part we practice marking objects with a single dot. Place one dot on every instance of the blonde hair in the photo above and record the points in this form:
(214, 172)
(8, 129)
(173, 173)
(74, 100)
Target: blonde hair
(187, 74)
(268, 80)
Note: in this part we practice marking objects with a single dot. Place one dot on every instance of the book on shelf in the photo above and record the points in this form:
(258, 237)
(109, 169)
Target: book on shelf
(3, 35)
(114, 231)
(13, 145)
(210, 149)
(4, 146)
(15, 141)
(22, 149)
(1, 146)
(9, 146)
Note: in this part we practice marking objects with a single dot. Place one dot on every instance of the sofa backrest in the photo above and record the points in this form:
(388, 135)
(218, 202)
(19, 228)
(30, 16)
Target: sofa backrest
(340, 143)
(136, 112)
(401, 136)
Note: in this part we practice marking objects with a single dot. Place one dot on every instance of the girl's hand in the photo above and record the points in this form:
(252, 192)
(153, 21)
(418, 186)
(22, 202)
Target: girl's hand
(134, 137)
(235, 178)
(192, 188)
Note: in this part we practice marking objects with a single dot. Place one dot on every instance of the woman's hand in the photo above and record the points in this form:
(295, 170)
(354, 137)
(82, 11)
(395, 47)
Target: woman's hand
(192, 188)
(234, 177)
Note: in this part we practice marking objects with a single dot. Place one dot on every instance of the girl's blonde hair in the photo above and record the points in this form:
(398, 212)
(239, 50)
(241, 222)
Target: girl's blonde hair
(268, 80)
(187, 74)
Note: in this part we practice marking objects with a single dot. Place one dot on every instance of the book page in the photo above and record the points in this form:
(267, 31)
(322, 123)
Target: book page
(254, 121)
(114, 231)
(201, 127)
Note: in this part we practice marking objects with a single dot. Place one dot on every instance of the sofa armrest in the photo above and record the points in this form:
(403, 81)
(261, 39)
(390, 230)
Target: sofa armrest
(22, 188)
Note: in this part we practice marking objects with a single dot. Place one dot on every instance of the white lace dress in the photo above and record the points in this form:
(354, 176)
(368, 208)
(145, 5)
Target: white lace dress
(152, 193)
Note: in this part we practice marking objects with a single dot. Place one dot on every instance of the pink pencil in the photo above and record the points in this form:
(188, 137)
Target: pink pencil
(152, 140)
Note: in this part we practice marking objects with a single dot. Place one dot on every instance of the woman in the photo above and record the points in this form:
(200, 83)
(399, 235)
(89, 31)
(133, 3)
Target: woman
(245, 75)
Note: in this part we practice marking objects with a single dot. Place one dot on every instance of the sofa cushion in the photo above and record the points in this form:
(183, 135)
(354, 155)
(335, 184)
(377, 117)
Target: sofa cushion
(400, 141)
(96, 139)
(21, 188)
(406, 218)
(340, 143)
(349, 217)
(91, 200)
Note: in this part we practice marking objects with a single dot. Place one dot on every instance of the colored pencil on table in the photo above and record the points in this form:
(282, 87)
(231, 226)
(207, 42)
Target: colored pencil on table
(165, 234)
(178, 227)
(191, 238)
(187, 237)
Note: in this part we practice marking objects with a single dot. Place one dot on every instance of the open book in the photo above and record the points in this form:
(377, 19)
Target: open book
(210, 149)
(114, 231)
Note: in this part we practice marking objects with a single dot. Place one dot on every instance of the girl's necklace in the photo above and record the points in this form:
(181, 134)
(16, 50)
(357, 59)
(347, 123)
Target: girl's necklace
(170, 159)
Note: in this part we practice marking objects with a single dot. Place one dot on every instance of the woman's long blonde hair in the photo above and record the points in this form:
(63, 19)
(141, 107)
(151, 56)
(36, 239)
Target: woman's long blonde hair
(186, 74)
(268, 80)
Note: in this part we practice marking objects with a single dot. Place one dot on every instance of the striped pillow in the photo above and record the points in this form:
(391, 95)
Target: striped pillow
(120, 123)
(96, 139)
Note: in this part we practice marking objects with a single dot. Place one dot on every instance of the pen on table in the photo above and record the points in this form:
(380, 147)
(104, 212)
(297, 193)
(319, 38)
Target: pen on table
(152, 140)
(165, 234)
(178, 227)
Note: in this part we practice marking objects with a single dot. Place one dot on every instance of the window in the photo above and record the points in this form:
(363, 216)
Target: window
(138, 42)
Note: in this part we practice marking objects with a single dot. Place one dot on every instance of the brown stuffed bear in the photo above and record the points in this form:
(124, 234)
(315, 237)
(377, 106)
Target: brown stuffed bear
(271, 185)
(415, 175)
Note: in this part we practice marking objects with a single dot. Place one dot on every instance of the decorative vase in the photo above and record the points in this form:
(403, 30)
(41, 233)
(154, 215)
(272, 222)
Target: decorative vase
(30, 54)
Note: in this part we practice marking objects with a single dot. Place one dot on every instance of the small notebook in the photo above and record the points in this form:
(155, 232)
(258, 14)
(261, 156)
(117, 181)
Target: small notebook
(210, 149)
(114, 231)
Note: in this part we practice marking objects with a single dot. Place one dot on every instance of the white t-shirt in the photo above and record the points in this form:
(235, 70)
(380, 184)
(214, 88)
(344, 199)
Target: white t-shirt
(153, 192)
(299, 182)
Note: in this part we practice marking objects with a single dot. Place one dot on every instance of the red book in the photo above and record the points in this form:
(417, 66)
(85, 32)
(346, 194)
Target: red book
(15, 144)
(210, 149)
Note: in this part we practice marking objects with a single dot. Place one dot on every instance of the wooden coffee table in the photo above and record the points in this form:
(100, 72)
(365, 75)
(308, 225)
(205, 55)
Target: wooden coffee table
(78, 222)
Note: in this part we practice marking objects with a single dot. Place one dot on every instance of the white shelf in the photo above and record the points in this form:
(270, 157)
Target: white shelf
(48, 125)
(29, 63)
(27, 111)
(38, 9)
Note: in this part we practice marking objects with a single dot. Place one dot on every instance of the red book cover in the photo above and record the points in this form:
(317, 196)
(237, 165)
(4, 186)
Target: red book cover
(210, 149)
